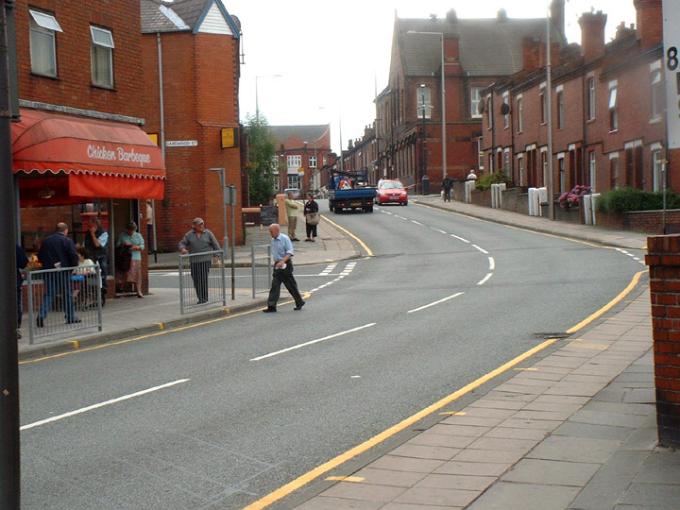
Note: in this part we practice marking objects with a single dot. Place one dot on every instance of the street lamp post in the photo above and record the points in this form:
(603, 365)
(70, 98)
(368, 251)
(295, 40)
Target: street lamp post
(423, 156)
(443, 99)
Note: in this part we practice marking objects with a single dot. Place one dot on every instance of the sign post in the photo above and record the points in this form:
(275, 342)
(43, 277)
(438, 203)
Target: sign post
(671, 64)
(230, 200)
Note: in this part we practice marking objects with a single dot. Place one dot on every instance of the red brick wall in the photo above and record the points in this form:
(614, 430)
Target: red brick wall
(663, 260)
(200, 75)
(73, 87)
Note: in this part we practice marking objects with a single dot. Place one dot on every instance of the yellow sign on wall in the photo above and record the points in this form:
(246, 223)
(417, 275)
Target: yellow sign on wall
(153, 137)
(229, 137)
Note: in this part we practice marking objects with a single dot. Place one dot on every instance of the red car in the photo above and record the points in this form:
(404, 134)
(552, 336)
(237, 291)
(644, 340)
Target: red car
(391, 192)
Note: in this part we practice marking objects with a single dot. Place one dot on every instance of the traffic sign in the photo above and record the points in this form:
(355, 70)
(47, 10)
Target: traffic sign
(671, 64)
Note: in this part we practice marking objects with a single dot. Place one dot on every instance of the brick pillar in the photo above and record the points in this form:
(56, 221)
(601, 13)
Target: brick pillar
(663, 260)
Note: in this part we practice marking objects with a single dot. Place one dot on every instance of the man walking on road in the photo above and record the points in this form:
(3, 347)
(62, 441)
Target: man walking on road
(199, 240)
(282, 253)
(58, 251)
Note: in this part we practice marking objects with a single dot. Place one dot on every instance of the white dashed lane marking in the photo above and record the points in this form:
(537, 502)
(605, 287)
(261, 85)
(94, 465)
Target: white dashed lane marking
(482, 250)
(327, 272)
(485, 279)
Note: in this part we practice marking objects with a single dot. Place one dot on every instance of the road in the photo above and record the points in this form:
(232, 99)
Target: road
(237, 408)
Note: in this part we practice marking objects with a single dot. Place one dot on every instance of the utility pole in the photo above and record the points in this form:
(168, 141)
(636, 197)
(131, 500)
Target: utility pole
(10, 485)
(548, 86)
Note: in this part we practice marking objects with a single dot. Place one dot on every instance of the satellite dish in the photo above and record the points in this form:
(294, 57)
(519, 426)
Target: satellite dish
(505, 108)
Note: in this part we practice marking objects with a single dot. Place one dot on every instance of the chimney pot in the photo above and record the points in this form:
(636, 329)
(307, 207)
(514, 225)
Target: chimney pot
(592, 34)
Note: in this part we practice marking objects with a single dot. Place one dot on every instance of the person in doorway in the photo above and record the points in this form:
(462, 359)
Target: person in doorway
(149, 224)
(58, 251)
(472, 176)
(282, 253)
(199, 240)
(22, 262)
(291, 213)
(96, 240)
(311, 217)
(447, 184)
(134, 242)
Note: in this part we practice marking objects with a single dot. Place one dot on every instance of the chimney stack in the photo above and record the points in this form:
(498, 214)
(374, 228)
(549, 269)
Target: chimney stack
(531, 53)
(592, 34)
(557, 15)
(649, 22)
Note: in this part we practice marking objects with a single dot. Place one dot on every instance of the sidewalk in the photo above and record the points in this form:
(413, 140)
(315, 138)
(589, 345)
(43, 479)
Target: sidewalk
(574, 429)
(331, 246)
(128, 317)
(616, 238)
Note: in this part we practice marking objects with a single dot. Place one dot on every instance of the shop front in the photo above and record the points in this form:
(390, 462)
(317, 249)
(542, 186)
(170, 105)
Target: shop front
(71, 169)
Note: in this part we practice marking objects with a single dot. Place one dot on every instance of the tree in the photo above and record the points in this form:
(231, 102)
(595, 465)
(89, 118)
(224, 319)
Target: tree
(261, 161)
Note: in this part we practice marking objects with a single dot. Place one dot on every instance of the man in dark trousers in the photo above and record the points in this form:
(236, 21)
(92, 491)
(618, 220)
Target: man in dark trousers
(199, 240)
(282, 253)
(96, 239)
(58, 251)
(447, 184)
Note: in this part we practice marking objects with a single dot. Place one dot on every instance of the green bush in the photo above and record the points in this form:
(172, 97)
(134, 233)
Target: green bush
(486, 180)
(622, 200)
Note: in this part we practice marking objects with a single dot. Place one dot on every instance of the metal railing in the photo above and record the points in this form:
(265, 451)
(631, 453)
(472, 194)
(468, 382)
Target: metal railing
(261, 268)
(62, 300)
(202, 281)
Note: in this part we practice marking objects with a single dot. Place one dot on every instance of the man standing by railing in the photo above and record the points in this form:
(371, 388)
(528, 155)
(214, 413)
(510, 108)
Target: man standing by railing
(199, 240)
(58, 251)
(96, 239)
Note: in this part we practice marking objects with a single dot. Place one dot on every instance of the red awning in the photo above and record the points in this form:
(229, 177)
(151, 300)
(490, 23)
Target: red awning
(66, 159)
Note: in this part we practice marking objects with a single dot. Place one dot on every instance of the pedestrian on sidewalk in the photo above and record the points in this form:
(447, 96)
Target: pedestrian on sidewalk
(447, 184)
(22, 262)
(291, 213)
(134, 242)
(312, 217)
(199, 240)
(282, 253)
(58, 251)
(472, 176)
(96, 239)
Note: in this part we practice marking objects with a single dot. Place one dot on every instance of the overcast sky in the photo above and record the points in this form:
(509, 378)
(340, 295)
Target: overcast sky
(331, 54)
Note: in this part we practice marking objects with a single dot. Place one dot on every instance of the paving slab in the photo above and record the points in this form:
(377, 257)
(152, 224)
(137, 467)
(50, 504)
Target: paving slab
(465, 482)
(574, 449)
(437, 496)
(551, 472)
(425, 452)
(519, 496)
(374, 476)
(364, 492)
(394, 463)
(328, 503)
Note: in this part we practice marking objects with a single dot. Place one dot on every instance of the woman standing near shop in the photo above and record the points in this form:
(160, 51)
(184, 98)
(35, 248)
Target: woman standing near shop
(132, 242)
(311, 217)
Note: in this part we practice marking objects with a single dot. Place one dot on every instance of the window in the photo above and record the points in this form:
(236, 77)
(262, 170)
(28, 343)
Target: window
(657, 168)
(424, 99)
(520, 114)
(489, 111)
(43, 43)
(544, 167)
(591, 97)
(506, 162)
(560, 109)
(275, 164)
(294, 162)
(294, 181)
(614, 170)
(480, 155)
(102, 57)
(490, 162)
(506, 116)
(542, 100)
(634, 164)
(475, 99)
(520, 169)
(657, 95)
(561, 172)
(312, 161)
(592, 167)
(613, 110)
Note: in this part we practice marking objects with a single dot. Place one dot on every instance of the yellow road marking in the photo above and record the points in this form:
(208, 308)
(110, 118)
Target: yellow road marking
(530, 369)
(163, 332)
(318, 471)
(375, 440)
(353, 479)
(368, 251)
(453, 413)
(608, 306)
(75, 344)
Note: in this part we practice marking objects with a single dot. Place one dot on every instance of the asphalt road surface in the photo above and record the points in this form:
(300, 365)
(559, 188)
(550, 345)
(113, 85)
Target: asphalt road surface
(219, 415)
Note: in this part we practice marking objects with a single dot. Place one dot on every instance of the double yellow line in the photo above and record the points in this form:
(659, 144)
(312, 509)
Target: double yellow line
(318, 471)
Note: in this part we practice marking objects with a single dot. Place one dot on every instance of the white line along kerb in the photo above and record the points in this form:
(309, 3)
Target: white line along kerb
(460, 238)
(312, 342)
(443, 300)
(102, 404)
(480, 249)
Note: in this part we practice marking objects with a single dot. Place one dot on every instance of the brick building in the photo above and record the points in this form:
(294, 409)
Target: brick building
(190, 58)
(362, 154)
(477, 53)
(607, 110)
(303, 155)
(79, 148)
